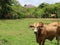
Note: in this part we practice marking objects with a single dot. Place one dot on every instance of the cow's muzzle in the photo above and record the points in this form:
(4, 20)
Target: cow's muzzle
(35, 32)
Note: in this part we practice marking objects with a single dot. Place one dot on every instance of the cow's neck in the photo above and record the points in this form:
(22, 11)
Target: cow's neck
(38, 36)
(39, 32)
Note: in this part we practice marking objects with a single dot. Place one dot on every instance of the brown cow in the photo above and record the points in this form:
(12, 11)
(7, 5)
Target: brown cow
(44, 32)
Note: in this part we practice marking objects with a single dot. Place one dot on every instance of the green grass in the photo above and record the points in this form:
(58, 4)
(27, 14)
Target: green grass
(17, 32)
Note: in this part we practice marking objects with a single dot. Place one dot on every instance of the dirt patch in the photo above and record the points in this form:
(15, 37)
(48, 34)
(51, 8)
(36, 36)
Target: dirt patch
(3, 41)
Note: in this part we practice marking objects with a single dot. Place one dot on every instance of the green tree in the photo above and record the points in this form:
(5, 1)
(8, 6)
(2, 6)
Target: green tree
(16, 10)
(43, 5)
(5, 7)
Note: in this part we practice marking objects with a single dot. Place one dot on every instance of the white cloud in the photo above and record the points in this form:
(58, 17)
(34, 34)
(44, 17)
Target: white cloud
(36, 2)
(52, 1)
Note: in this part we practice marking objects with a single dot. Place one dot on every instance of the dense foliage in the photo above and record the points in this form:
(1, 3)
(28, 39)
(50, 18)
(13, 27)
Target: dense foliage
(5, 8)
(11, 9)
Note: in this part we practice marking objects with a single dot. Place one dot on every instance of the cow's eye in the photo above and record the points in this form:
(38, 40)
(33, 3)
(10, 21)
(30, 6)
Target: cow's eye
(31, 26)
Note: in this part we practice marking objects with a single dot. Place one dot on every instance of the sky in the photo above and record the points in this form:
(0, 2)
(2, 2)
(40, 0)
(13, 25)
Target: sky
(36, 2)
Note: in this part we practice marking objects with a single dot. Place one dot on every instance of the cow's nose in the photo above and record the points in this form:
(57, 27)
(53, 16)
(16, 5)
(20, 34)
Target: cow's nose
(35, 32)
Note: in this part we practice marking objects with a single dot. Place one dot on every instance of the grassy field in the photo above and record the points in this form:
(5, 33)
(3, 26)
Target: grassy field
(17, 32)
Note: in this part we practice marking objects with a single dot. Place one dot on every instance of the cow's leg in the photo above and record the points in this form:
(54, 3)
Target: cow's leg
(39, 43)
(57, 38)
(58, 42)
(42, 42)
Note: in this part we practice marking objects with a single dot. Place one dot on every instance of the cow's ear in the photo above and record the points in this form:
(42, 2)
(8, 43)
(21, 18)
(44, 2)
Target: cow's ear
(31, 26)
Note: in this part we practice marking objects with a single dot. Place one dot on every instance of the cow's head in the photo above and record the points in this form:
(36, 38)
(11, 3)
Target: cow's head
(37, 27)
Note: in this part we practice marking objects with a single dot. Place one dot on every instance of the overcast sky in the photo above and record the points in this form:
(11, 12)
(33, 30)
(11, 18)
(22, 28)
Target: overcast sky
(36, 2)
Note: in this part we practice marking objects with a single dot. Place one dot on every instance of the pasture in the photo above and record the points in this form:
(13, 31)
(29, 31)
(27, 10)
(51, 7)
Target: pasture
(17, 32)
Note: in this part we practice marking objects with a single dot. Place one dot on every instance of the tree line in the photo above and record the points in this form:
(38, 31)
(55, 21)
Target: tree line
(11, 9)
